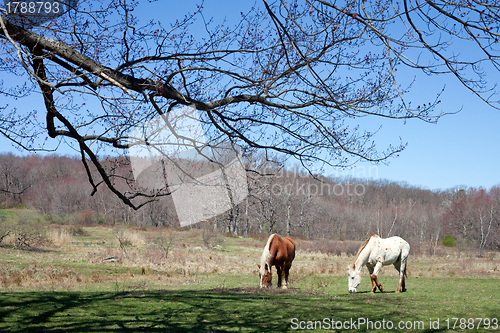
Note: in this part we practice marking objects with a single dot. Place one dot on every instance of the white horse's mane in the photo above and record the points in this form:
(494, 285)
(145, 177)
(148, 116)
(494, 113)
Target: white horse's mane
(362, 247)
(266, 254)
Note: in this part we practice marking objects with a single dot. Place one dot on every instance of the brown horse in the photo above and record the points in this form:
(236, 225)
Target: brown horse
(280, 252)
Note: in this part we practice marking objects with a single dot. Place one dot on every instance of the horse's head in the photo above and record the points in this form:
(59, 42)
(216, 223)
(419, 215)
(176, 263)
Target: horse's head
(354, 279)
(265, 276)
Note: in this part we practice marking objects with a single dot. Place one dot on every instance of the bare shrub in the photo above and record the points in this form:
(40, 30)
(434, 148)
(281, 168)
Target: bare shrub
(78, 231)
(211, 239)
(83, 217)
(161, 247)
(30, 230)
(123, 238)
(5, 228)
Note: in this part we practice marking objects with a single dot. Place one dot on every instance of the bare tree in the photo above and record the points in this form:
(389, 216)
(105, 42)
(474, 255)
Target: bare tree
(13, 183)
(284, 77)
(472, 215)
(486, 221)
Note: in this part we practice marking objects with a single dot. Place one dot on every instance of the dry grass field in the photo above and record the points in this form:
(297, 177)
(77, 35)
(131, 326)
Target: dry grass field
(97, 279)
(78, 258)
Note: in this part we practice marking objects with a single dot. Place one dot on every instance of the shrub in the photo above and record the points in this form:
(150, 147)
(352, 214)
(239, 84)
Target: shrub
(163, 245)
(78, 231)
(84, 217)
(211, 239)
(54, 218)
(5, 228)
(30, 230)
(449, 241)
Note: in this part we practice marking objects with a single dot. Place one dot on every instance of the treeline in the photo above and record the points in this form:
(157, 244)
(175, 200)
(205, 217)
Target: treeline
(283, 201)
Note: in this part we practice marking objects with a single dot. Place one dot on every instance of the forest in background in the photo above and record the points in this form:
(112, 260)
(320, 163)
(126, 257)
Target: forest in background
(283, 201)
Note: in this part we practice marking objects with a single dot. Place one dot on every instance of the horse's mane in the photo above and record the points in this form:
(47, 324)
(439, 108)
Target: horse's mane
(264, 259)
(362, 247)
(269, 240)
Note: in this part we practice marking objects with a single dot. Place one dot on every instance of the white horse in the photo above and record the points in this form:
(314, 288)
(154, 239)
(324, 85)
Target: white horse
(376, 252)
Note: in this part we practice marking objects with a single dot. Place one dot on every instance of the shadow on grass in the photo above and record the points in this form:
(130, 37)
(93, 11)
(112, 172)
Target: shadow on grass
(215, 310)
(376, 292)
(239, 309)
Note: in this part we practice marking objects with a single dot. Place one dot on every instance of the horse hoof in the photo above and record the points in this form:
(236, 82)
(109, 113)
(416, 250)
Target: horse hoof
(284, 287)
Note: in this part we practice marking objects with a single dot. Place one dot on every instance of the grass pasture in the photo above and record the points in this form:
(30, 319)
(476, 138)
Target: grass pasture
(188, 281)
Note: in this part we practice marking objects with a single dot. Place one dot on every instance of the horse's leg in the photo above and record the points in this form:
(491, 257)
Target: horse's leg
(279, 270)
(373, 276)
(402, 273)
(287, 271)
(374, 285)
(397, 265)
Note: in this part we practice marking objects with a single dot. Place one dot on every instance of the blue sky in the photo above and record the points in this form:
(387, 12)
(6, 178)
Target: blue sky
(460, 150)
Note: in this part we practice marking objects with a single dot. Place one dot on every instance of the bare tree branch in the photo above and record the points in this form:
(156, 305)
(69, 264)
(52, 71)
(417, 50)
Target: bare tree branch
(286, 78)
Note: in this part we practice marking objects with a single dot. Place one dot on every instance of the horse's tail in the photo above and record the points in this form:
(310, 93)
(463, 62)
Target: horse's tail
(405, 262)
(404, 270)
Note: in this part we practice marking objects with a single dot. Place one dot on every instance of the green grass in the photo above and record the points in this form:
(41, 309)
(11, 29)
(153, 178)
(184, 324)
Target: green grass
(8, 213)
(247, 309)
